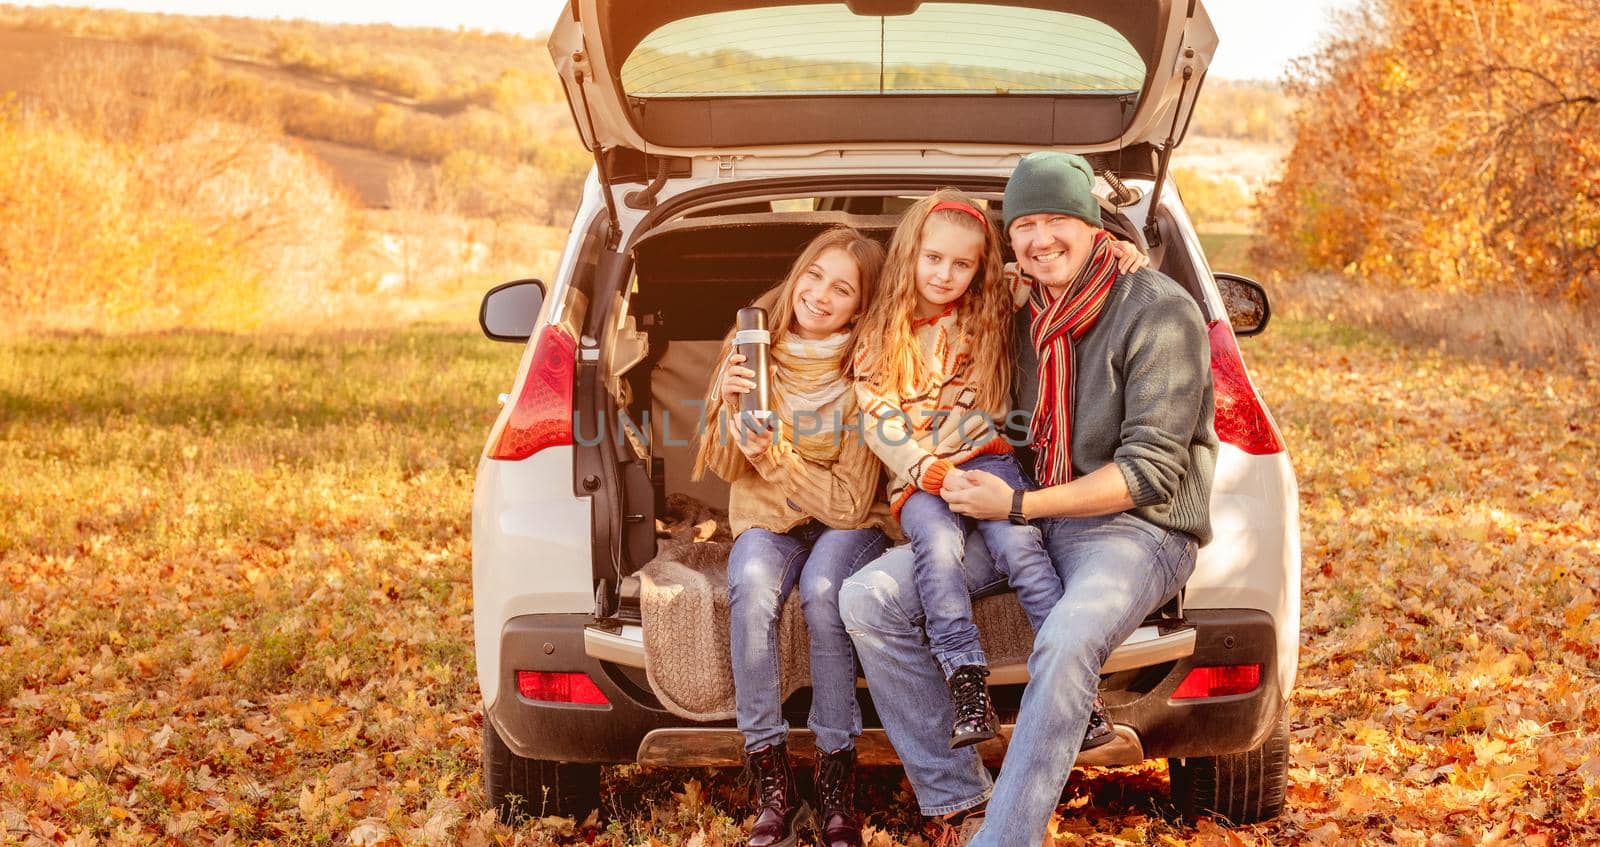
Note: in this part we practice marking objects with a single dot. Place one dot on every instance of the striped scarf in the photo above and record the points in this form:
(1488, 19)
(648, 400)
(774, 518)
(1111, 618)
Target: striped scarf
(1056, 323)
(808, 377)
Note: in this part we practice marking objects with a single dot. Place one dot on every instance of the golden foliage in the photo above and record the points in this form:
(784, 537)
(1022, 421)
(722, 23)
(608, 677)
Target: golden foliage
(148, 189)
(1215, 203)
(417, 93)
(83, 244)
(237, 604)
(1243, 110)
(412, 62)
(128, 206)
(1449, 144)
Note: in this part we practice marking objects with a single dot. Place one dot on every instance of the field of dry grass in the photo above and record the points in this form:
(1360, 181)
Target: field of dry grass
(237, 603)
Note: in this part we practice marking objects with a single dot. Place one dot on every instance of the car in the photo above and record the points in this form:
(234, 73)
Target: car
(725, 135)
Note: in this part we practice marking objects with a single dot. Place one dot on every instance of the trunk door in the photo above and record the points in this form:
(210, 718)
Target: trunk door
(762, 78)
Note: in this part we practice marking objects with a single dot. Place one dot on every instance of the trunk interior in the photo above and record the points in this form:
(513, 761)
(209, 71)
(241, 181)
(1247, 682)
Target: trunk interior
(690, 276)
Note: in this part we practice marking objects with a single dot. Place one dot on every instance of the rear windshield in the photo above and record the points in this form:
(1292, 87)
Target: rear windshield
(956, 48)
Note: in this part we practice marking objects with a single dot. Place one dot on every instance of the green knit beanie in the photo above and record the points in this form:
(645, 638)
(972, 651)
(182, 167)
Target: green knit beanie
(1052, 182)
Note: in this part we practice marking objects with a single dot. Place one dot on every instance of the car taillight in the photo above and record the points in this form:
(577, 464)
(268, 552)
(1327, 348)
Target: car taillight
(1240, 420)
(1218, 681)
(552, 687)
(542, 415)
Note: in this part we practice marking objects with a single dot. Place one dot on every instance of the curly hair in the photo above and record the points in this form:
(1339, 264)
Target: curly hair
(891, 360)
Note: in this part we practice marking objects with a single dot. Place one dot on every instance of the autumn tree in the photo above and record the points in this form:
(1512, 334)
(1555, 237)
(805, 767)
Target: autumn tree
(1451, 144)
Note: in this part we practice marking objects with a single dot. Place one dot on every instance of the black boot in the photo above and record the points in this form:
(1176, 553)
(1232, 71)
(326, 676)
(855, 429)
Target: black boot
(1100, 731)
(778, 803)
(975, 717)
(836, 799)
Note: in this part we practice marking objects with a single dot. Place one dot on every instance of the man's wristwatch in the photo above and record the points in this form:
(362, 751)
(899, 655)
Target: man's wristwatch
(1016, 509)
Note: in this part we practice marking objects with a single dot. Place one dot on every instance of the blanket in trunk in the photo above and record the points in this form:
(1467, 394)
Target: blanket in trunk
(683, 601)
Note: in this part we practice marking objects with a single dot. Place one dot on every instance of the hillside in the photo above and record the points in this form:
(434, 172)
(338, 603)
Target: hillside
(287, 161)
(368, 97)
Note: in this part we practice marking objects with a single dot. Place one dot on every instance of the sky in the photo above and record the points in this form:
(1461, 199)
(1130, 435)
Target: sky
(1258, 37)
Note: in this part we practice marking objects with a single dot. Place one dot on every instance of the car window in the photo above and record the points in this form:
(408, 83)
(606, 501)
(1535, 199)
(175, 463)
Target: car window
(827, 49)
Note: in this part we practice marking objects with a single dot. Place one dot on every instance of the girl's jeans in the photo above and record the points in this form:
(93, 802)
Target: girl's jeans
(939, 539)
(763, 568)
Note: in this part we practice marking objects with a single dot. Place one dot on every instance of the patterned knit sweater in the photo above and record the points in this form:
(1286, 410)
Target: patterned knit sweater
(921, 436)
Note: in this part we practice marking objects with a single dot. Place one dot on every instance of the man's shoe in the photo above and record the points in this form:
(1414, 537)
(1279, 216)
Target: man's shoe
(975, 717)
(959, 831)
(1100, 731)
(837, 824)
(778, 803)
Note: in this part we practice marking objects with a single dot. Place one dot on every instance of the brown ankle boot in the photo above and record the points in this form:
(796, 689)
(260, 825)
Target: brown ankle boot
(778, 803)
(836, 799)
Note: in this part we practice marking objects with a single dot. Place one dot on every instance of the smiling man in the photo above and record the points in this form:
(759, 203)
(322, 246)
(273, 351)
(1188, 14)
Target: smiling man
(1116, 369)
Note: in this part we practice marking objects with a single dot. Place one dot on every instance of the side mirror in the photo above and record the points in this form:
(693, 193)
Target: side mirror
(510, 310)
(1246, 301)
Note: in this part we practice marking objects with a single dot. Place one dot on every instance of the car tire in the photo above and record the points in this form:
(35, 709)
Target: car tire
(517, 788)
(1246, 787)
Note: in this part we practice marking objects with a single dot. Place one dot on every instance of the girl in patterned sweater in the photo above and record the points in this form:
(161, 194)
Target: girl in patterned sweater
(933, 379)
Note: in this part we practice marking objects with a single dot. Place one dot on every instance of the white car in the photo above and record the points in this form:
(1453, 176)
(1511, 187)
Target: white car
(725, 135)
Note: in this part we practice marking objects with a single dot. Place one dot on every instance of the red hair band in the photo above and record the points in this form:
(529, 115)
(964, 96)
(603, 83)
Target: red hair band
(954, 206)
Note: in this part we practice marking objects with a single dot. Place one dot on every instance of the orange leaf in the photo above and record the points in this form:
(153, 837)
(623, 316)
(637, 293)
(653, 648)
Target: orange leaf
(234, 655)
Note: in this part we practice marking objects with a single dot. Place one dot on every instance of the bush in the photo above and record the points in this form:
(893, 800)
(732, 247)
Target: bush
(90, 241)
(1448, 144)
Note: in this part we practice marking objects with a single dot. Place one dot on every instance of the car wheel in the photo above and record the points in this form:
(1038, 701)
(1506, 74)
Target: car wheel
(1242, 787)
(519, 788)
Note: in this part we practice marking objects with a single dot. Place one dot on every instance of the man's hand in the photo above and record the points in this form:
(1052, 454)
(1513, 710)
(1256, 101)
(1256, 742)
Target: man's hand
(978, 494)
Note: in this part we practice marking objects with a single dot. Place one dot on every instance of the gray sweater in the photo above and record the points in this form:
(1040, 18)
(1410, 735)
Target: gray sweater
(1142, 399)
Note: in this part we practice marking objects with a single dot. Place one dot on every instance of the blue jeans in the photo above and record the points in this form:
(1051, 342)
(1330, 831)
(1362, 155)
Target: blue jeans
(763, 567)
(1115, 570)
(939, 539)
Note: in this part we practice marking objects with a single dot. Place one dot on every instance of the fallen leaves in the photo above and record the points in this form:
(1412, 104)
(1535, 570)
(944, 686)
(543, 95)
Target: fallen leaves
(272, 643)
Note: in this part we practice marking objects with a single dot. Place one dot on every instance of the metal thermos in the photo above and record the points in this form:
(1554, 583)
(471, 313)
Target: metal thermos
(754, 342)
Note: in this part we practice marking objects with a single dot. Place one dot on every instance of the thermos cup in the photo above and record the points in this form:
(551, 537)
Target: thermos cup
(754, 342)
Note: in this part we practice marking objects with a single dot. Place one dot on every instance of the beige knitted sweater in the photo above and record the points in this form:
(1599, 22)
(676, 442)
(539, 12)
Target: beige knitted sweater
(781, 489)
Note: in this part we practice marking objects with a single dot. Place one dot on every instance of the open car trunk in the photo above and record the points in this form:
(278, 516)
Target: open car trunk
(691, 276)
(723, 76)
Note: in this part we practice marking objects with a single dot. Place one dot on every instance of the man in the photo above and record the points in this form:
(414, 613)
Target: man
(1116, 369)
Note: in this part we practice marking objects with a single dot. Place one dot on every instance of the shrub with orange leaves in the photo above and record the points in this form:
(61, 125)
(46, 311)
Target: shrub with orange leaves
(1448, 144)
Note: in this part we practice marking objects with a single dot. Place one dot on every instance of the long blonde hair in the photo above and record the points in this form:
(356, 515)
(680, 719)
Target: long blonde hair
(778, 301)
(892, 360)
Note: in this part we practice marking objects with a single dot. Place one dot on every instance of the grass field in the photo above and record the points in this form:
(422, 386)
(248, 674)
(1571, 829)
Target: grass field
(237, 602)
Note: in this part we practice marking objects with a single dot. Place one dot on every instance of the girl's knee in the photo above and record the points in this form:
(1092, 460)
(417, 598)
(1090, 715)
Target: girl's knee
(819, 597)
(750, 589)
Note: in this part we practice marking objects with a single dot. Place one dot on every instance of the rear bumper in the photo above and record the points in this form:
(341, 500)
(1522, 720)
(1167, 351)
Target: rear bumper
(634, 728)
(564, 732)
(1167, 728)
